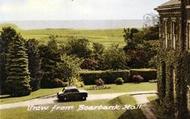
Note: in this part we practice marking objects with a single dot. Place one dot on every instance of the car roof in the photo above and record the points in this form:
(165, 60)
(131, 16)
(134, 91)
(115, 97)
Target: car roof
(70, 87)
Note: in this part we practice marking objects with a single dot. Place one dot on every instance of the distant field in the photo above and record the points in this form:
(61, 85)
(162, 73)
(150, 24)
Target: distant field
(105, 37)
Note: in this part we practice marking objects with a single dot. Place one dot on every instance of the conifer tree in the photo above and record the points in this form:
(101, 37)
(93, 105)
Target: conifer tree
(34, 63)
(18, 78)
(6, 36)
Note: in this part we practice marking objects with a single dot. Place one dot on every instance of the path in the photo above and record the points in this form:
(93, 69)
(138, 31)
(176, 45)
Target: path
(142, 99)
(53, 99)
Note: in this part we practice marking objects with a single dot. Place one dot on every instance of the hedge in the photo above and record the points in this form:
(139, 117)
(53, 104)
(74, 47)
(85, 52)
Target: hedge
(110, 76)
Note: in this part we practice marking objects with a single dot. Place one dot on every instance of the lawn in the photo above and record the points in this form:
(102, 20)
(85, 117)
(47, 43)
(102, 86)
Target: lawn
(152, 98)
(127, 87)
(35, 94)
(74, 114)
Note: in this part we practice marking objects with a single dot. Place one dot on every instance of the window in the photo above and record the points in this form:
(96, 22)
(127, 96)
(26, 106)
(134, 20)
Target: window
(173, 78)
(165, 34)
(188, 35)
(188, 96)
(163, 79)
(174, 34)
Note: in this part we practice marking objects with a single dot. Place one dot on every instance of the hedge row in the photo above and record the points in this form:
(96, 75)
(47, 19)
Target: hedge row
(109, 77)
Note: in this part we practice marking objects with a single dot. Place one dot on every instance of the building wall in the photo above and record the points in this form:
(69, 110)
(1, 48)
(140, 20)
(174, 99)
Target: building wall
(174, 66)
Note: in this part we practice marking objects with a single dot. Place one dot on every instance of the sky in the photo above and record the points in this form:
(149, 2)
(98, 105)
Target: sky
(20, 10)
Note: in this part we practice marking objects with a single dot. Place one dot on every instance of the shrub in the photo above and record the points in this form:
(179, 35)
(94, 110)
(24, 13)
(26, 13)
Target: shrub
(119, 81)
(137, 78)
(77, 82)
(147, 74)
(99, 82)
(108, 77)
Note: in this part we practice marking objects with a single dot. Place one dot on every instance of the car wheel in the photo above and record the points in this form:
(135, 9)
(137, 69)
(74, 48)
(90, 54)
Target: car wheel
(83, 98)
(65, 99)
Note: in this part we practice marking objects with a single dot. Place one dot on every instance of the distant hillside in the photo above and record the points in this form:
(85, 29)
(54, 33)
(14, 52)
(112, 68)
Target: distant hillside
(8, 25)
(79, 24)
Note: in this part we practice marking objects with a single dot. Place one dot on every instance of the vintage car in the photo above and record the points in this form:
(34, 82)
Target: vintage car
(72, 94)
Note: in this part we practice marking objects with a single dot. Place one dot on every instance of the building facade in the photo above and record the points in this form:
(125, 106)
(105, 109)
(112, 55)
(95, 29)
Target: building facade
(174, 60)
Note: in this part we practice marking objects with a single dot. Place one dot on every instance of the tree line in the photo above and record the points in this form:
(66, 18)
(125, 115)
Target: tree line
(27, 65)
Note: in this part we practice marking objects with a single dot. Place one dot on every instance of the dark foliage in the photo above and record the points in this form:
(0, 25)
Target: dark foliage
(78, 47)
(114, 58)
(108, 77)
(119, 81)
(49, 57)
(6, 36)
(18, 78)
(137, 78)
(99, 82)
(34, 63)
(91, 64)
(138, 48)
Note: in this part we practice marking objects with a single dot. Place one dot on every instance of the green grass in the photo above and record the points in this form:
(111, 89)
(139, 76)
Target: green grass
(127, 87)
(152, 98)
(36, 94)
(105, 37)
(22, 113)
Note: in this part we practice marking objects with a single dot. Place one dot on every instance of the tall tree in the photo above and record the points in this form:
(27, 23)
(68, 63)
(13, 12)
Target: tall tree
(50, 56)
(6, 36)
(18, 78)
(34, 63)
(78, 47)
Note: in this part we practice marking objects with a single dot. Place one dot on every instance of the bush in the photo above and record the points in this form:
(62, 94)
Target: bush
(137, 78)
(147, 74)
(119, 81)
(108, 77)
(77, 82)
(99, 82)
